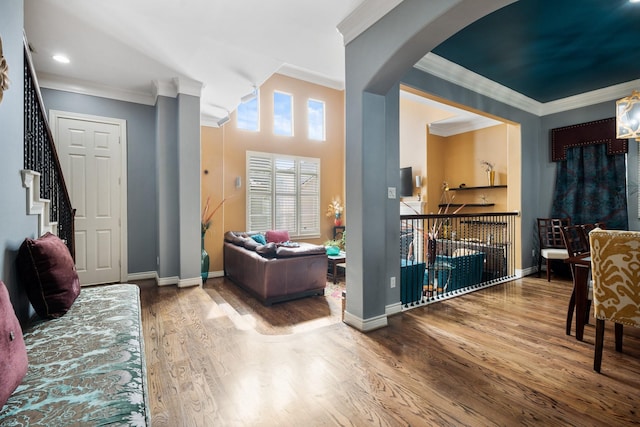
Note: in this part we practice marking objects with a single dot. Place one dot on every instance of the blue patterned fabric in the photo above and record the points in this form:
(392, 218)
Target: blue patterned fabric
(86, 368)
(591, 187)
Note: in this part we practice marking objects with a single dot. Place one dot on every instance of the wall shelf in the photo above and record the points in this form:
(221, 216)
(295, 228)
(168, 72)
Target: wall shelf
(477, 188)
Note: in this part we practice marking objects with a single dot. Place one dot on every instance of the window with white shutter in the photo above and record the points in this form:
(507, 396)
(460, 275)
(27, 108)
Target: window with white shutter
(283, 193)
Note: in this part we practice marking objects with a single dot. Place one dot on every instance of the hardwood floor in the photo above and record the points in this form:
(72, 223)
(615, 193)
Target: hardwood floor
(499, 356)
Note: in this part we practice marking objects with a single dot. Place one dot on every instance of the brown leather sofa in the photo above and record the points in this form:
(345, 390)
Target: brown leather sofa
(274, 273)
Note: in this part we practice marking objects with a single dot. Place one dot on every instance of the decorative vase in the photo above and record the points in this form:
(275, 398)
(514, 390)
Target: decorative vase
(338, 221)
(431, 250)
(204, 261)
(491, 175)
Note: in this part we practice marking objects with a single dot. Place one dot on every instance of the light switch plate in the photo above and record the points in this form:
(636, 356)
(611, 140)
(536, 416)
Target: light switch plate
(391, 192)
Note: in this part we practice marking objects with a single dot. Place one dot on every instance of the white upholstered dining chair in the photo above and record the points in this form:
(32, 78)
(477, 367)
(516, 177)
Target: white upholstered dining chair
(551, 244)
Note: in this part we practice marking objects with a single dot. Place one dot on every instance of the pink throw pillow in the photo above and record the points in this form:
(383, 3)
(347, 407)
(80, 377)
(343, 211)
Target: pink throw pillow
(277, 236)
(13, 353)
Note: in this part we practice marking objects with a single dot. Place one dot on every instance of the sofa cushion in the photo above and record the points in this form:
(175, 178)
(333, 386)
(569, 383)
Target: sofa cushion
(48, 272)
(250, 244)
(233, 237)
(13, 353)
(303, 249)
(259, 238)
(268, 250)
(277, 236)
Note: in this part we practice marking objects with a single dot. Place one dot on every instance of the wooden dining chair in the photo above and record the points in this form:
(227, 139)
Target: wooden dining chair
(551, 244)
(576, 243)
(615, 267)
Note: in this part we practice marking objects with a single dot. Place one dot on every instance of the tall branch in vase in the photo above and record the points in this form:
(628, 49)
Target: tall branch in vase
(432, 235)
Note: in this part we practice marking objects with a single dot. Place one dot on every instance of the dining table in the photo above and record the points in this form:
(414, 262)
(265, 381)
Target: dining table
(582, 266)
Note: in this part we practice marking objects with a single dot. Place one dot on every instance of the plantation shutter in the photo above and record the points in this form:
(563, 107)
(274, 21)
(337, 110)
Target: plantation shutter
(286, 214)
(259, 192)
(309, 197)
(283, 192)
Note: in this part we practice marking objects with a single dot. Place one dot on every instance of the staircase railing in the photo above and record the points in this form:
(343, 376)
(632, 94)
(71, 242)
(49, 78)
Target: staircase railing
(40, 155)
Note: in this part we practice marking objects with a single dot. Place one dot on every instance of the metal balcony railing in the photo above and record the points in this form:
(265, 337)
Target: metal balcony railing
(446, 255)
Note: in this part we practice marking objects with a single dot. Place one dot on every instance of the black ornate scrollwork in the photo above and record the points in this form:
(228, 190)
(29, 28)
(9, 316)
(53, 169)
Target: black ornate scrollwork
(40, 155)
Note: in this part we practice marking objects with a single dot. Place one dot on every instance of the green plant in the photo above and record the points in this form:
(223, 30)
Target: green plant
(332, 242)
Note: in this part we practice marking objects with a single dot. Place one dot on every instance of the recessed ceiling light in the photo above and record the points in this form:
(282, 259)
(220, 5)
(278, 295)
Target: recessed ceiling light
(634, 1)
(61, 59)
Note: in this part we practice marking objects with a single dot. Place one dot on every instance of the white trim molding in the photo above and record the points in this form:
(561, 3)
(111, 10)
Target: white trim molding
(36, 205)
(365, 325)
(167, 281)
(392, 309)
(364, 16)
(454, 73)
(310, 76)
(145, 275)
(65, 84)
(194, 281)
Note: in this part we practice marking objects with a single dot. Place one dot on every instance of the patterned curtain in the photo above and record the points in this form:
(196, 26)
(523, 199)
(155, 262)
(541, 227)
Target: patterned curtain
(591, 187)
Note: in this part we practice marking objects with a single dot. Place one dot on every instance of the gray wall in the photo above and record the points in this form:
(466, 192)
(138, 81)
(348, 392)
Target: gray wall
(15, 225)
(142, 219)
(189, 185)
(167, 158)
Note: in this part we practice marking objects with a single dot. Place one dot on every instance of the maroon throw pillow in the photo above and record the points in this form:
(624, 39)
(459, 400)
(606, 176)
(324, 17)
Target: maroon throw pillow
(48, 272)
(277, 236)
(13, 353)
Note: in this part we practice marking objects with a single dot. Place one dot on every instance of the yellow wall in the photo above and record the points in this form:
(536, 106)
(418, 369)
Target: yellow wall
(223, 152)
(457, 160)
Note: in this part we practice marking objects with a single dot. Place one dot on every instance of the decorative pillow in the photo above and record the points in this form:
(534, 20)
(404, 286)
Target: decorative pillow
(277, 236)
(13, 353)
(268, 250)
(47, 271)
(259, 238)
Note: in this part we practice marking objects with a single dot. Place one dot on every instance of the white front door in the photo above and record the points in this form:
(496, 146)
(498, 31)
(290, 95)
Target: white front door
(91, 156)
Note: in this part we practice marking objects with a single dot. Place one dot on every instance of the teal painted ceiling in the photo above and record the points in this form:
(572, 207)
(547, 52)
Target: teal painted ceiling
(549, 50)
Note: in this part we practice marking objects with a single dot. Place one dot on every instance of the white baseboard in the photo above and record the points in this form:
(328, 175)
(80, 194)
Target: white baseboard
(145, 275)
(219, 273)
(392, 309)
(171, 280)
(193, 281)
(365, 325)
(526, 272)
(167, 281)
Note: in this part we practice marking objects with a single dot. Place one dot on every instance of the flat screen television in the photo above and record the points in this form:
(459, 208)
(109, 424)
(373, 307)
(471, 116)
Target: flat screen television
(406, 182)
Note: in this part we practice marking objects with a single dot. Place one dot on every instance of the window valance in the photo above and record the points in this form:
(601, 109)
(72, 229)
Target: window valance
(590, 133)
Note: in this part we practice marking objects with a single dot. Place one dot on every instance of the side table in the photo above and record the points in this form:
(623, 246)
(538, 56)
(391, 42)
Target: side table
(334, 260)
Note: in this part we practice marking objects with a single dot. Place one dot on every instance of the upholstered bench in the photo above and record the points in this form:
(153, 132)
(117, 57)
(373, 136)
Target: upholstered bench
(86, 367)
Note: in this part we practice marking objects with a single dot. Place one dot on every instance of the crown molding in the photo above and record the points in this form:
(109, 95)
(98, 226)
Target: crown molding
(364, 16)
(446, 128)
(209, 121)
(164, 88)
(81, 87)
(187, 86)
(590, 98)
(454, 73)
(310, 76)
